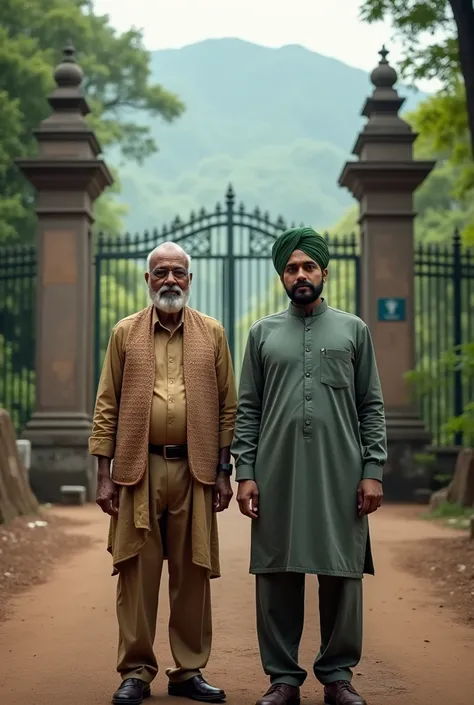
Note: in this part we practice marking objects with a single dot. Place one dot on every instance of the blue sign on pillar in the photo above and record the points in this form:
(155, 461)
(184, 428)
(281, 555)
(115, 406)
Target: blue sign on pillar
(392, 309)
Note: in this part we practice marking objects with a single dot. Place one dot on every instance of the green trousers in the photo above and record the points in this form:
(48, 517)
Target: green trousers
(280, 619)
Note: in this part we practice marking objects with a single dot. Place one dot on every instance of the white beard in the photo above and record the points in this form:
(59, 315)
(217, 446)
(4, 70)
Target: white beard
(168, 302)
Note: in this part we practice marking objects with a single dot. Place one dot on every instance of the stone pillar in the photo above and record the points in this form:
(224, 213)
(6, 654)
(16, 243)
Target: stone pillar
(68, 177)
(384, 180)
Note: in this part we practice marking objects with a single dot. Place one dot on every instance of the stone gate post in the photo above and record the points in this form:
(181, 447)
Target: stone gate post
(68, 177)
(384, 180)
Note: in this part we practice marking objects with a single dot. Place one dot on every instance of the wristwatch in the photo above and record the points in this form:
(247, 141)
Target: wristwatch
(225, 467)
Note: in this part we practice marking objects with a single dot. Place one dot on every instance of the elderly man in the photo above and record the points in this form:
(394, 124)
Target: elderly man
(310, 445)
(165, 414)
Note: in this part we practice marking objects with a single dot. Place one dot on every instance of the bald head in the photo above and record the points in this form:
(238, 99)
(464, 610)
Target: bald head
(168, 277)
(166, 251)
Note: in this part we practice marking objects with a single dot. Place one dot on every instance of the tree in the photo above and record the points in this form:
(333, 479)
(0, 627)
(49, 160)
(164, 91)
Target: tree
(463, 13)
(117, 70)
(437, 37)
(16, 497)
(108, 212)
(451, 53)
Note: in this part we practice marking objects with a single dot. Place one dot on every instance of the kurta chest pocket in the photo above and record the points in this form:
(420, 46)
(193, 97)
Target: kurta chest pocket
(335, 366)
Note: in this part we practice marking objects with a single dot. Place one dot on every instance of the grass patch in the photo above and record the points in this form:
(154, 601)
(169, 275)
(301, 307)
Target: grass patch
(451, 514)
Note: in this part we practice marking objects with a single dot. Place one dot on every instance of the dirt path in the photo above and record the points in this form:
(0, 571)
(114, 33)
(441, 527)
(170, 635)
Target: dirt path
(59, 645)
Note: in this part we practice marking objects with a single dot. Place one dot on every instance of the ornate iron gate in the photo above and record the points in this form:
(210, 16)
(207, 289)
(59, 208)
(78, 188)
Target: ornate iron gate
(18, 332)
(444, 334)
(233, 276)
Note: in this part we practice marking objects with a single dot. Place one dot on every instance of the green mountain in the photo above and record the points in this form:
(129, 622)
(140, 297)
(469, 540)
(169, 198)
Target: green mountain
(277, 123)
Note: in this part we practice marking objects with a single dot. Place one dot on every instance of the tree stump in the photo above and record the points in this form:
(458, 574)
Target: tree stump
(461, 489)
(438, 498)
(16, 497)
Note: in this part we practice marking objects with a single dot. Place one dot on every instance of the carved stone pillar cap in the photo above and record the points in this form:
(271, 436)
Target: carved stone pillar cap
(384, 75)
(68, 74)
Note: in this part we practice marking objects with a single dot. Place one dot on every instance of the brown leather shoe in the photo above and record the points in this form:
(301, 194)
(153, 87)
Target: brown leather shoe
(342, 693)
(281, 694)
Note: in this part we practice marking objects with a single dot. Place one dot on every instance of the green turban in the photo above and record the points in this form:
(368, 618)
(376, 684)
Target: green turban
(305, 239)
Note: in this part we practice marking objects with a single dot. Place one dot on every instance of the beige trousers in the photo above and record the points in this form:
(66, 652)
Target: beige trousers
(190, 627)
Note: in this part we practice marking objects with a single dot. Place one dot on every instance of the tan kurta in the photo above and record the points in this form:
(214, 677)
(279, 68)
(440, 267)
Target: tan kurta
(129, 530)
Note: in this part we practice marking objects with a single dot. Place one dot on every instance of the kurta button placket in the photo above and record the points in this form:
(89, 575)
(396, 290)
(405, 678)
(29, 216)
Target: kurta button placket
(307, 384)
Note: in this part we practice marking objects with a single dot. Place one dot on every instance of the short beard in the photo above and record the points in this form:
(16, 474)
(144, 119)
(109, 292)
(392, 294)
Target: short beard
(300, 299)
(169, 302)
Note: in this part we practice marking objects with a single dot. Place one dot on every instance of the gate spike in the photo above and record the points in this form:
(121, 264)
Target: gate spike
(202, 212)
(241, 207)
(218, 207)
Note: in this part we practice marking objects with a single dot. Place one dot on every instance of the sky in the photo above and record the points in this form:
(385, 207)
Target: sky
(329, 27)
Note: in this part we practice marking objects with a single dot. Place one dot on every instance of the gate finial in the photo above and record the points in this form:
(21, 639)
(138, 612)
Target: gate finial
(230, 195)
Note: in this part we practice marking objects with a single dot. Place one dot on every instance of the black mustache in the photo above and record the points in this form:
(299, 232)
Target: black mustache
(305, 285)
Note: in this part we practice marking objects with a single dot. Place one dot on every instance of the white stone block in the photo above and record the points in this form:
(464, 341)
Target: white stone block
(73, 494)
(24, 451)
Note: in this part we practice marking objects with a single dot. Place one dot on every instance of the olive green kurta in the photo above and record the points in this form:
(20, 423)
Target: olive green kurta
(310, 426)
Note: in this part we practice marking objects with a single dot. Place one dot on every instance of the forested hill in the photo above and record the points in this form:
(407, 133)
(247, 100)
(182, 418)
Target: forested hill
(278, 123)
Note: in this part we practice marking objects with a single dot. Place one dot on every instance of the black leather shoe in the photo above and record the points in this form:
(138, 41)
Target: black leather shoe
(197, 689)
(132, 691)
(342, 693)
(280, 694)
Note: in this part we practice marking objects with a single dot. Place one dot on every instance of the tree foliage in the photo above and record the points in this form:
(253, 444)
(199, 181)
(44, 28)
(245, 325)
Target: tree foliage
(118, 80)
(437, 37)
(432, 378)
(428, 34)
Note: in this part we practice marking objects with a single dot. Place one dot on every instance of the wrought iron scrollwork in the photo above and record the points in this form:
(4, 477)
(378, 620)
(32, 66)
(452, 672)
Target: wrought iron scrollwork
(260, 244)
(197, 244)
